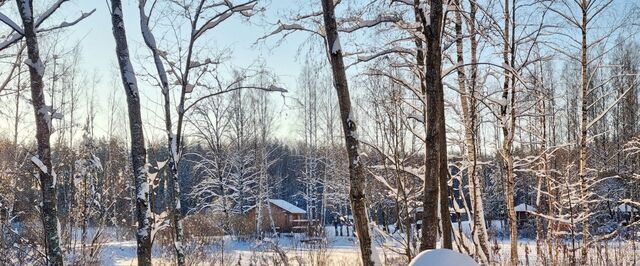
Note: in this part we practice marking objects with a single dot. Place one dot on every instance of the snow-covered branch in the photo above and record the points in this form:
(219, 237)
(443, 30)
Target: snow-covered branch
(17, 36)
(271, 88)
(353, 24)
(11, 23)
(211, 23)
(65, 24)
(288, 28)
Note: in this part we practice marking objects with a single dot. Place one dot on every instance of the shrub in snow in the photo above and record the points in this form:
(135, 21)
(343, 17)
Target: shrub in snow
(442, 257)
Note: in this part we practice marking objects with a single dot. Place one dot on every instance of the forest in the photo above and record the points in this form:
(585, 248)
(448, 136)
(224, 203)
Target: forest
(320, 132)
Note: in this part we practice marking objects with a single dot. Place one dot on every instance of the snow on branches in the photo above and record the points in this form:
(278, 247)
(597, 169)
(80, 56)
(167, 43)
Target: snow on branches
(352, 24)
(49, 114)
(38, 66)
(39, 164)
(11, 23)
(26, 12)
(231, 8)
(336, 47)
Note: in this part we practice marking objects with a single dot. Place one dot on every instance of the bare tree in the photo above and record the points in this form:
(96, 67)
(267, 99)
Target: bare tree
(356, 170)
(31, 26)
(201, 17)
(507, 118)
(138, 151)
(468, 103)
(437, 172)
(580, 16)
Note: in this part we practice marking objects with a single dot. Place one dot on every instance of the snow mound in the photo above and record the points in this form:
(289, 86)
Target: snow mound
(442, 257)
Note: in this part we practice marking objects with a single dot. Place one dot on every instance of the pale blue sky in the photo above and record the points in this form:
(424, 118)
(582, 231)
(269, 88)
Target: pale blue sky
(98, 52)
(97, 44)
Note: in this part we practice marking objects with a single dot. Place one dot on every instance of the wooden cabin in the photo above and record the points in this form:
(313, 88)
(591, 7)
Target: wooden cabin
(627, 214)
(286, 216)
(523, 212)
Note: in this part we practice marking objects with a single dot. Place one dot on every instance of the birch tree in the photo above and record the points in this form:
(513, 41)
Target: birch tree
(580, 17)
(507, 123)
(29, 31)
(469, 106)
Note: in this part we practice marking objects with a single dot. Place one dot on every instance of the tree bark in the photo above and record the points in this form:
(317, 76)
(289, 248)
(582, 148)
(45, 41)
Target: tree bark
(437, 171)
(172, 142)
(434, 63)
(507, 116)
(43, 115)
(468, 104)
(138, 151)
(356, 173)
(583, 134)
(429, 228)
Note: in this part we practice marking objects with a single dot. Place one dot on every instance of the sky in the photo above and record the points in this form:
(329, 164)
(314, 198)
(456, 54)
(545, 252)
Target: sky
(98, 54)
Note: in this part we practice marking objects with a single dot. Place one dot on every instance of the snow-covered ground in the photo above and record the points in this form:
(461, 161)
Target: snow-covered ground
(332, 250)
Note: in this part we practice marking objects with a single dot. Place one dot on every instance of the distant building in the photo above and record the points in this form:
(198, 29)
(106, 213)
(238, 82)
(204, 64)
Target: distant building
(286, 216)
(627, 214)
(523, 212)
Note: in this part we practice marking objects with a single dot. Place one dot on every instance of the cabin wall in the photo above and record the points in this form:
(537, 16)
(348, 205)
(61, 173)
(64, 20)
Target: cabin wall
(281, 218)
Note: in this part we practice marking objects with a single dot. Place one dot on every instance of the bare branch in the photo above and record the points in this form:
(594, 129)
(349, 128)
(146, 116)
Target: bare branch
(11, 23)
(69, 24)
(271, 88)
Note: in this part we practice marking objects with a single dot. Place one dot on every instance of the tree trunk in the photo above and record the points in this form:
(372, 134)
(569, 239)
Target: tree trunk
(172, 144)
(356, 173)
(138, 151)
(583, 136)
(43, 115)
(434, 78)
(507, 117)
(511, 214)
(468, 103)
(437, 172)
(429, 228)
(176, 215)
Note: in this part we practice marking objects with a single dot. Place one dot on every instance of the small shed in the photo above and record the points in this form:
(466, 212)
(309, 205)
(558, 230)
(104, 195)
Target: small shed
(523, 212)
(286, 216)
(626, 208)
(627, 213)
